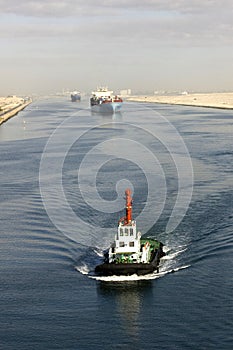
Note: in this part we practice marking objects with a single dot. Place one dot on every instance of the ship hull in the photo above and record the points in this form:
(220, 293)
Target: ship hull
(75, 98)
(107, 108)
(107, 269)
(127, 269)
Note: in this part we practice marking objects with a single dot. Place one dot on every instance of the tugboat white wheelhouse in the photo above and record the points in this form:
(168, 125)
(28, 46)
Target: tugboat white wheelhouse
(130, 254)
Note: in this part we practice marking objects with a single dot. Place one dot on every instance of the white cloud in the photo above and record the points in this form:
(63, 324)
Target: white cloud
(176, 30)
(136, 36)
(63, 8)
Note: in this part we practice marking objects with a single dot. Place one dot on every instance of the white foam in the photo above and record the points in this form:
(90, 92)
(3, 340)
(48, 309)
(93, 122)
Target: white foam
(98, 252)
(171, 256)
(124, 278)
(83, 269)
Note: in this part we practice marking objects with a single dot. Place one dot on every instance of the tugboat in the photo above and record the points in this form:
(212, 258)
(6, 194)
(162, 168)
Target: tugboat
(130, 254)
(103, 101)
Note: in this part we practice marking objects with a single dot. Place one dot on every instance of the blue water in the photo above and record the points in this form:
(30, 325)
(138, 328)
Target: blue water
(49, 298)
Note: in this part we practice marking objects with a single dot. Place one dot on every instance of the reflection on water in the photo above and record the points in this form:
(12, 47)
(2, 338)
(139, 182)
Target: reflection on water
(108, 120)
(126, 299)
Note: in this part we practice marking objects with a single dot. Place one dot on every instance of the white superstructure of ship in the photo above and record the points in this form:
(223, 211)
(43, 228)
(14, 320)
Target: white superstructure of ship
(104, 101)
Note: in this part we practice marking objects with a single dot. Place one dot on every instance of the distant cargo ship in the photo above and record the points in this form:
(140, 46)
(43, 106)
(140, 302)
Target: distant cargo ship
(103, 101)
(75, 96)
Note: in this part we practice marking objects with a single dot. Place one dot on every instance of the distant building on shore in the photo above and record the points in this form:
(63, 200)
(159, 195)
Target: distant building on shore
(126, 92)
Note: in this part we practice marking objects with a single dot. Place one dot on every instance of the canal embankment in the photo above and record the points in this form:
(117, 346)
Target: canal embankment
(11, 105)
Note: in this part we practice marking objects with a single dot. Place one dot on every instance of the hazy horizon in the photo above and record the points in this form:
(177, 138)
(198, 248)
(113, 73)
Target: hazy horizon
(48, 46)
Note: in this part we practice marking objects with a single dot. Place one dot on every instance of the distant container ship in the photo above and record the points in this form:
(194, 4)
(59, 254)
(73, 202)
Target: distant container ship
(75, 96)
(103, 101)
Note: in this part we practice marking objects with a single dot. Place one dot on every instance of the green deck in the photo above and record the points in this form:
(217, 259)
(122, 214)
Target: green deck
(154, 244)
(126, 256)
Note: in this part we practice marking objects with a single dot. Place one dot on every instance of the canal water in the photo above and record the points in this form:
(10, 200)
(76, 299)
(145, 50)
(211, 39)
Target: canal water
(63, 175)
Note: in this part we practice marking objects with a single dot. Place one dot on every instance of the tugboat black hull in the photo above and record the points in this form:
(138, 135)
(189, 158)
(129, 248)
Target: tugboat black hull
(107, 269)
(127, 269)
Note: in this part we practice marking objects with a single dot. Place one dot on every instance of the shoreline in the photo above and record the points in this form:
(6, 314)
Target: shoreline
(210, 100)
(10, 106)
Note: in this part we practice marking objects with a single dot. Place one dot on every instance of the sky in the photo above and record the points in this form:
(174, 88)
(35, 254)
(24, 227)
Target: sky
(148, 45)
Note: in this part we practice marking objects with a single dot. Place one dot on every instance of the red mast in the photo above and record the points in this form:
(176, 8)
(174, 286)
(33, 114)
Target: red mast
(127, 219)
(128, 207)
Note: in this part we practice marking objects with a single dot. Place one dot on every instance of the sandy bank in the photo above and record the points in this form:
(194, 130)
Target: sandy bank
(215, 100)
(10, 106)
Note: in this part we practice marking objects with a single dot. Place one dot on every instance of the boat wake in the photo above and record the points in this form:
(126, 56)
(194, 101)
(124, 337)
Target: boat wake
(151, 276)
(170, 263)
(87, 262)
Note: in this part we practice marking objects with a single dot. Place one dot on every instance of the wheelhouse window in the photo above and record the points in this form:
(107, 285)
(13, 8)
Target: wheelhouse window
(131, 231)
(126, 232)
(121, 231)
